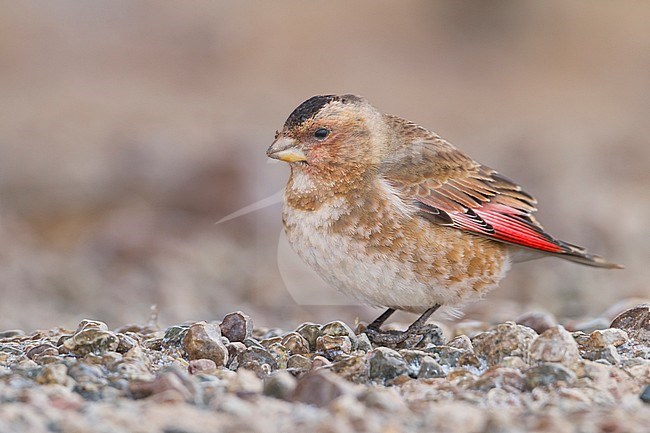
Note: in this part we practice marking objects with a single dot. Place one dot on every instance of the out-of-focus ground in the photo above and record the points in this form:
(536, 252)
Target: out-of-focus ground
(128, 128)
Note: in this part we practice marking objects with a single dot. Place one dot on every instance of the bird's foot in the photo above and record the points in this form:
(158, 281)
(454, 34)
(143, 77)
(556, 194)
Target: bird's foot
(386, 338)
(414, 336)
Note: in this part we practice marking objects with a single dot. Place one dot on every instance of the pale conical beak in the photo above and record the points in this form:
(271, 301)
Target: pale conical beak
(285, 149)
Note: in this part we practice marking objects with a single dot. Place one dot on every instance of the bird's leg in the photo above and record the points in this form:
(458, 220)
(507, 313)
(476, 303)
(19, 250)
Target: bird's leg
(376, 324)
(419, 327)
(421, 322)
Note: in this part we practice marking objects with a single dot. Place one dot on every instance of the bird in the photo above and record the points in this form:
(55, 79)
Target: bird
(390, 213)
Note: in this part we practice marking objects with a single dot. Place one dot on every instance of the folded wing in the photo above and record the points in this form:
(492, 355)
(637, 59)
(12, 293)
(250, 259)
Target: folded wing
(451, 189)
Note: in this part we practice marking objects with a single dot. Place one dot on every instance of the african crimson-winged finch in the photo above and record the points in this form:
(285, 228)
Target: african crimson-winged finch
(393, 215)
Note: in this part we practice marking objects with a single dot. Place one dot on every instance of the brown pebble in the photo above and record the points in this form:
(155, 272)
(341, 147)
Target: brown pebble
(53, 374)
(236, 326)
(319, 361)
(636, 322)
(203, 341)
(555, 345)
(509, 379)
(258, 360)
(538, 321)
(506, 339)
(299, 362)
(201, 366)
(602, 338)
(333, 346)
(319, 388)
(295, 343)
(310, 331)
(171, 385)
(42, 349)
(461, 342)
(281, 385)
(234, 349)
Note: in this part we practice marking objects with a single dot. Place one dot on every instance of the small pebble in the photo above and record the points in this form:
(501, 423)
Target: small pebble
(608, 353)
(429, 368)
(174, 335)
(461, 342)
(53, 373)
(506, 339)
(333, 346)
(125, 343)
(339, 329)
(11, 333)
(635, 322)
(91, 339)
(279, 353)
(203, 341)
(547, 374)
(42, 349)
(645, 395)
(201, 366)
(319, 388)
(299, 362)
(295, 343)
(280, 385)
(508, 379)
(386, 364)
(602, 338)
(319, 362)
(386, 400)
(257, 359)
(236, 326)
(310, 331)
(352, 368)
(538, 321)
(363, 343)
(555, 345)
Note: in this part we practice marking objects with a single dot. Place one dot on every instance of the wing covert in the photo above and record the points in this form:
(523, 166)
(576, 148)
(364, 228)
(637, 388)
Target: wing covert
(451, 189)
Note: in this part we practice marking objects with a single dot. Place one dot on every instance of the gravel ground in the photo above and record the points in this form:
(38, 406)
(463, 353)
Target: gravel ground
(533, 375)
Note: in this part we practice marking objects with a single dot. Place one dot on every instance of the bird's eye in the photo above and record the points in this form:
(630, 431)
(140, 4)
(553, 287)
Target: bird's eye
(321, 133)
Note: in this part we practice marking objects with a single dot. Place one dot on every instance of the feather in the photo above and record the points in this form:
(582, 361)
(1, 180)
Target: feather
(451, 189)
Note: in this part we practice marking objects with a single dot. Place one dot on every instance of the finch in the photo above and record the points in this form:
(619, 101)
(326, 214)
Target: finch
(393, 215)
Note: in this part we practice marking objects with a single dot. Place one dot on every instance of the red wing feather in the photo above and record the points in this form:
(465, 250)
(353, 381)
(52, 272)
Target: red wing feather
(513, 228)
(451, 189)
(497, 221)
(511, 225)
(489, 204)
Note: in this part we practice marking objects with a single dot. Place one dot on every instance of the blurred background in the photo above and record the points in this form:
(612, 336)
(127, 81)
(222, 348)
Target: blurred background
(129, 128)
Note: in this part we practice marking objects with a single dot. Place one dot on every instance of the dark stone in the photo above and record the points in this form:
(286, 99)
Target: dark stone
(10, 333)
(203, 341)
(201, 365)
(537, 320)
(174, 335)
(257, 359)
(548, 374)
(636, 322)
(236, 326)
(386, 364)
(281, 385)
(645, 395)
(41, 349)
(506, 339)
(318, 388)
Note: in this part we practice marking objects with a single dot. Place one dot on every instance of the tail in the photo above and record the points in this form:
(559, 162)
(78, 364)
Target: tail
(580, 255)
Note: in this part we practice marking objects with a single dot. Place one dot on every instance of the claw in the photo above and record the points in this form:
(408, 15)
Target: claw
(419, 332)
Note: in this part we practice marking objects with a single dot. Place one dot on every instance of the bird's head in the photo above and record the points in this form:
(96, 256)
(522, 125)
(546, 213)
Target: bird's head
(328, 133)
